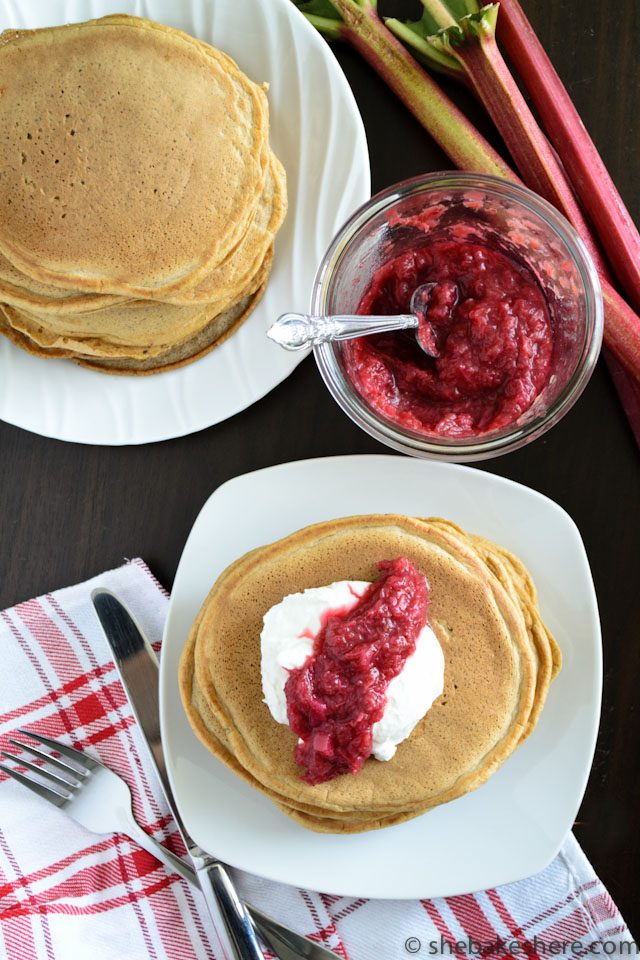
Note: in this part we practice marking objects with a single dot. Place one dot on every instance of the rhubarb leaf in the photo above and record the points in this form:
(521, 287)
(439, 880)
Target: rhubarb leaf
(318, 8)
(414, 35)
(443, 27)
(473, 26)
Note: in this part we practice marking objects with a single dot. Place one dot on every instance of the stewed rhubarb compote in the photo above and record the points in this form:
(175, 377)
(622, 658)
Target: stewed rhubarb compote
(339, 693)
(487, 323)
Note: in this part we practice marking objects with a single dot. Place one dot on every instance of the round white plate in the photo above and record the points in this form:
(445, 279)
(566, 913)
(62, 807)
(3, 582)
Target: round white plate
(510, 827)
(317, 132)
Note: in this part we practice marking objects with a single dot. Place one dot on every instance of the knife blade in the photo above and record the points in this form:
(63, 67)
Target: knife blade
(137, 666)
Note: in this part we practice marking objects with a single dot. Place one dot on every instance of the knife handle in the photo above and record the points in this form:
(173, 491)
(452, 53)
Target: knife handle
(228, 913)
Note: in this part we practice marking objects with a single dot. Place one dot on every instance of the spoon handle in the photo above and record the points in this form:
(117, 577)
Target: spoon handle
(296, 331)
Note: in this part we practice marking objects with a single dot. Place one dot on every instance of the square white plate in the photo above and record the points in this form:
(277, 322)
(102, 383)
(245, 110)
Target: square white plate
(510, 827)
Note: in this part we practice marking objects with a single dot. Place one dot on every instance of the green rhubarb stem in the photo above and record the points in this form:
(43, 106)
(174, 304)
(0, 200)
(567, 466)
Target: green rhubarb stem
(440, 13)
(589, 176)
(331, 29)
(449, 127)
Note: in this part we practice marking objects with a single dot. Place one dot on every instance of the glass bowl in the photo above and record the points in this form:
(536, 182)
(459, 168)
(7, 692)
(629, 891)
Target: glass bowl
(504, 215)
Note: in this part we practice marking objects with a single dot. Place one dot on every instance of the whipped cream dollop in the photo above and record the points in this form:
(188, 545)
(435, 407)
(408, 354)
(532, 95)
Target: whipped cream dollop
(287, 639)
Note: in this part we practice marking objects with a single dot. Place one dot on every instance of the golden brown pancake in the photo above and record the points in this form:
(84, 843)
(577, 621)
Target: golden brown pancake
(204, 723)
(137, 328)
(219, 329)
(516, 580)
(141, 322)
(546, 650)
(216, 331)
(490, 680)
(159, 145)
(19, 290)
(214, 736)
(221, 285)
(140, 194)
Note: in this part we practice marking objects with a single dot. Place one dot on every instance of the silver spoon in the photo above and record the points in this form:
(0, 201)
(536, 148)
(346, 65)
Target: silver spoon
(297, 331)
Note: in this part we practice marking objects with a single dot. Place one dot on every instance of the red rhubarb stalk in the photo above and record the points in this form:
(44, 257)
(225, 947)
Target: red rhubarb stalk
(628, 390)
(471, 41)
(562, 123)
(621, 329)
(357, 22)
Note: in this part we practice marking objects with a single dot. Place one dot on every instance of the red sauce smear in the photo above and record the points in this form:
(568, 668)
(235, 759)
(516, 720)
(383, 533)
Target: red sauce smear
(339, 693)
(492, 331)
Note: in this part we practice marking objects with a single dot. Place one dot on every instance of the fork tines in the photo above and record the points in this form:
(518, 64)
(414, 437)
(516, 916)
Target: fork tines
(56, 789)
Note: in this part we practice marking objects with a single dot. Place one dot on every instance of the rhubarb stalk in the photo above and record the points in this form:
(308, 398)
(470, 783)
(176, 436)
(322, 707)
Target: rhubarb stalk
(360, 25)
(357, 22)
(470, 40)
(589, 176)
(628, 391)
(621, 328)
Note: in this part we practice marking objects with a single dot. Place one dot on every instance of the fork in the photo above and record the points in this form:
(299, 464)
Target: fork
(99, 800)
(90, 793)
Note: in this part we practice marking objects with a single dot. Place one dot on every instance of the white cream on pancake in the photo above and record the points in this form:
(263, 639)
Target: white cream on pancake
(287, 639)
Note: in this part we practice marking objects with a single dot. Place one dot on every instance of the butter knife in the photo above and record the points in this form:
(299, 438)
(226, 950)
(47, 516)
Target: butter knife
(137, 667)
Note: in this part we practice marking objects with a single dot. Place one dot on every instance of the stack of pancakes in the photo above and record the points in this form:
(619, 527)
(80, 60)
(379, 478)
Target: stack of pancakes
(139, 195)
(499, 662)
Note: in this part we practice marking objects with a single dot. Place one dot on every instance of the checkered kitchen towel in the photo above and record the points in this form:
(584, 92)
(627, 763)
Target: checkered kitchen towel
(66, 893)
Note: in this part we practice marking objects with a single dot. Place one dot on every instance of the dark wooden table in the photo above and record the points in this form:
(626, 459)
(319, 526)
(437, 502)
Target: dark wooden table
(68, 512)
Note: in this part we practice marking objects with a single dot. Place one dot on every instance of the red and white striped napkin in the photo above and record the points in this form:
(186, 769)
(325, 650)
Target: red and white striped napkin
(67, 893)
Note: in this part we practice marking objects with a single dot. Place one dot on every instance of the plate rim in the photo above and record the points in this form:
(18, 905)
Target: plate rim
(545, 853)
